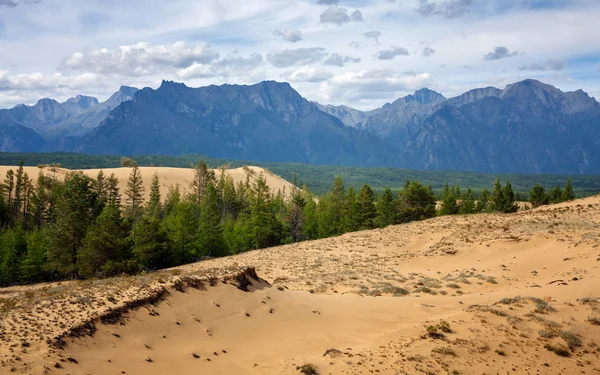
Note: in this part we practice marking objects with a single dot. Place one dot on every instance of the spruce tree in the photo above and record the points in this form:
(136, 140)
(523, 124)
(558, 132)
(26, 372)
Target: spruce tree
(467, 205)
(510, 204)
(385, 209)
(210, 239)
(154, 208)
(76, 210)
(202, 177)
(415, 202)
(367, 210)
(449, 205)
(105, 249)
(113, 195)
(483, 202)
(538, 196)
(568, 194)
(134, 195)
(497, 200)
(296, 216)
(152, 247)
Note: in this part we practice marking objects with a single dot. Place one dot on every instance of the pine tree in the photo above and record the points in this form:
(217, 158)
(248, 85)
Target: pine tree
(296, 216)
(202, 177)
(449, 205)
(265, 232)
(113, 196)
(76, 210)
(483, 202)
(386, 213)
(467, 205)
(415, 202)
(311, 221)
(105, 249)
(182, 226)
(568, 194)
(152, 247)
(497, 200)
(210, 239)
(100, 186)
(538, 196)
(555, 195)
(134, 195)
(154, 208)
(367, 210)
(350, 212)
(34, 266)
(510, 204)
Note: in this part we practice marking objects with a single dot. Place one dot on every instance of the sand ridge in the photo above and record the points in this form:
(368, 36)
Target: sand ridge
(168, 177)
(479, 294)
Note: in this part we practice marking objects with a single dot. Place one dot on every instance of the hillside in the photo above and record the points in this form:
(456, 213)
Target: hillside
(507, 293)
(168, 177)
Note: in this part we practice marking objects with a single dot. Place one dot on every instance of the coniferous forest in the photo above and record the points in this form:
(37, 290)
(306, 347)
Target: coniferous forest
(81, 227)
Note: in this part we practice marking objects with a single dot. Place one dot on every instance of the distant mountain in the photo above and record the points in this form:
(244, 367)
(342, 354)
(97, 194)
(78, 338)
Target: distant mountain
(527, 127)
(75, 117)
(17, 138)
(268, 121)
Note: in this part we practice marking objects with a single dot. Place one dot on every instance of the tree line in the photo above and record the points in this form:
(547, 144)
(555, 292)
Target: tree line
(82, 227)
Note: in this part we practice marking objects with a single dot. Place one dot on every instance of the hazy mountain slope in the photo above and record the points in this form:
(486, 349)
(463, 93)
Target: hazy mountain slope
(268, 121)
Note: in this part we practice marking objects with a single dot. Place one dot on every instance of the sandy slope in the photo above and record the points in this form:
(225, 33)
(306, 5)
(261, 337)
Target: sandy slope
(346, 297)
(168, 177)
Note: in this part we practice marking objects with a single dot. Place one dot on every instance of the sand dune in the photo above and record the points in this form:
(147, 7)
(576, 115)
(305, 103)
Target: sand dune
(168, 177)
(501, 293)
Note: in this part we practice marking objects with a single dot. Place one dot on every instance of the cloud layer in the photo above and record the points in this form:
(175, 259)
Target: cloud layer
(359, 53)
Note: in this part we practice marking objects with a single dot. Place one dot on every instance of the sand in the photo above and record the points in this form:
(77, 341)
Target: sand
(168, 177)
(508, 286)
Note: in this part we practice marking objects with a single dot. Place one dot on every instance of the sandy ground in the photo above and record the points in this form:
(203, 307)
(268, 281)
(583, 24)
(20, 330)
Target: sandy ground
(168, 177)
(480, 294)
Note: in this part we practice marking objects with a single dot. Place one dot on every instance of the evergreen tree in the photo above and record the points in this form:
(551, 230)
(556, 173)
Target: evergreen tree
(34, 267)
(555, 195)
(311, 221)
(467, 206)
(154, 207)
(105, 249)
(76, 211)
(210, 240)
(350, 211)
(202, 177)
(510, 204)
(483, 202)
(172, 200)
(386, 213)
(497, 200)
(134, 195)
(100, 186)
(152, 247)
(538, 196)
(182, 225)
(568, 194)
(449, 205)
(264, 226)
(415, 202)
(367, 211)
(296, 216)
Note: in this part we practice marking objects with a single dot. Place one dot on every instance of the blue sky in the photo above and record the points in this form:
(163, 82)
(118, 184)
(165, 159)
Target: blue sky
(359, 53)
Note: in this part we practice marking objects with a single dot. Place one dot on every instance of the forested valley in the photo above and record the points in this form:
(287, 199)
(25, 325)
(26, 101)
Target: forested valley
(80, 227)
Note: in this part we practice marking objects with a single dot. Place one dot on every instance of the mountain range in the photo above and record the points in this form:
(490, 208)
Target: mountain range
(528, 127)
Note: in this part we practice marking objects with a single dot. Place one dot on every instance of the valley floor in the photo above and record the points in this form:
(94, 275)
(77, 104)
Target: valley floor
(479, 294)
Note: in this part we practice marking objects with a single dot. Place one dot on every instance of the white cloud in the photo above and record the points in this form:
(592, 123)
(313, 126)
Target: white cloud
(389, 54)
(141, 58)
(306, 74)
(339, 15)
(339, 60)
(212, 30)
(289, 35)
(289, 57)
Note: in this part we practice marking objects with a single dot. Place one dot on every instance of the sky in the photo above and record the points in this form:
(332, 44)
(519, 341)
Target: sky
(360, 53)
